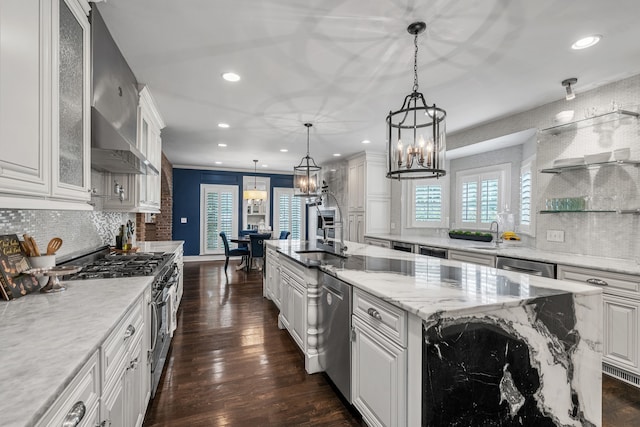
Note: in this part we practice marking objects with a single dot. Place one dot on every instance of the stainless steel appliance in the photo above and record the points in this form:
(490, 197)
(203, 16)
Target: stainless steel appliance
(402, 246)
(535, 268)
(335, 331)
(434, 252)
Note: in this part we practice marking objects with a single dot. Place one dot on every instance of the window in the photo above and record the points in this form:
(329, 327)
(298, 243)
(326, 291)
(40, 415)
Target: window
(219, 212)
(426, 207)
(481, 194)
(289, 213)
(527, 216)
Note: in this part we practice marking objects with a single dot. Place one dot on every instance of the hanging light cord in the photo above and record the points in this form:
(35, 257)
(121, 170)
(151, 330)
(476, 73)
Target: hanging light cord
(415, 64)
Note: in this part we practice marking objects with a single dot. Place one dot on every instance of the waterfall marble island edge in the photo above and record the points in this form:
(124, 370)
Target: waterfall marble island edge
(500, 348)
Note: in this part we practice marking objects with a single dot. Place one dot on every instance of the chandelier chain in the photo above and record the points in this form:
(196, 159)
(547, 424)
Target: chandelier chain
(415, 64)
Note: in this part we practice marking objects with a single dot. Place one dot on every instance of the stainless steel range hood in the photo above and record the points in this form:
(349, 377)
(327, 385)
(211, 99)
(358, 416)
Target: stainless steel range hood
(114, 107)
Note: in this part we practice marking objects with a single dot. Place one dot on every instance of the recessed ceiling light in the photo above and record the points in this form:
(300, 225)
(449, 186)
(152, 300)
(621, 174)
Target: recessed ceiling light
(223, 125)
(231, 77)
(332, 170)
(283, 150)
(366, 141)
(586, 42)
(218, 163)
(265, 166)
(222, 145)
(337, 154)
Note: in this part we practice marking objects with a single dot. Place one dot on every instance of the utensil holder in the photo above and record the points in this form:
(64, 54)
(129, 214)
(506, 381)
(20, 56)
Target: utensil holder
(44, 261)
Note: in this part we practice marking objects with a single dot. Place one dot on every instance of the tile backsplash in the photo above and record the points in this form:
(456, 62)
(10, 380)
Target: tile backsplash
(79, 230)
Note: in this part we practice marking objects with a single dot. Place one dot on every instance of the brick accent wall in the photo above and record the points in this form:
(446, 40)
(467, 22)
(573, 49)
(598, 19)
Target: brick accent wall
(162, 228)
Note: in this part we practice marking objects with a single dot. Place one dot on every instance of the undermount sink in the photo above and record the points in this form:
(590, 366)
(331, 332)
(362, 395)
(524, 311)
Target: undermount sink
(319, 255)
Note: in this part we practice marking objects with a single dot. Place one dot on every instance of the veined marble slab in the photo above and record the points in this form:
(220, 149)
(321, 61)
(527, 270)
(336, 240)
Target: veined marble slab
(46, 338)
(166, 246)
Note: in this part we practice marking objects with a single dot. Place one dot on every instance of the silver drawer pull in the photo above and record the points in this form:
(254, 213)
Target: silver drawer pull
(599, 282)
(374, 313)
(129, 332)
(75, 415)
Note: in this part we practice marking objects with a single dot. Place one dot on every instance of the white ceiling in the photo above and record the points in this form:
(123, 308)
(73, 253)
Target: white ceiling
(343, 64)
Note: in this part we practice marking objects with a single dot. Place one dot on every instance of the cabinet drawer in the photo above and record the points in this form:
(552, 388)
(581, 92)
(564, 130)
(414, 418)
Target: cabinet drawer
(116, 346)
(473, 258)
(609, 282)
(381, 316)
(83, 391)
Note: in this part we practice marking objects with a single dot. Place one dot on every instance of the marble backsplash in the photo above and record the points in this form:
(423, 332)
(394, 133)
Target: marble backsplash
(79, 230)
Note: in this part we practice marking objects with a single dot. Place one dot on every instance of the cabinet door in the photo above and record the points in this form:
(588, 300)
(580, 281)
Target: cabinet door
(134, 386)
(378, 377)
(70, 110)
(277, 288)
(298, 314)
(621, 332)
(473, 258)
(360, 184)
(25, 136)
(353, 186)
(353, 231)
(360, 228)
(113, 405)
(284, 301)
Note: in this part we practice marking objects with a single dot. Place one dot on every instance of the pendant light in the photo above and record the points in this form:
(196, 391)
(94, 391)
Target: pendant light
(254, 194)
(416, 132)
(306, 174)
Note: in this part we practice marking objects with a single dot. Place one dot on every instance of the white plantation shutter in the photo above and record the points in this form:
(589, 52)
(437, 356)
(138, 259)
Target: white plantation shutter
(489, 199)
(428, 203)
(219, 204)
(288, 212)
(526, 197)
(480, 195)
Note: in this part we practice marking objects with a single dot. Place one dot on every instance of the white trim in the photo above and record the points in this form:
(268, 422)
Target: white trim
(212, 188)
(150, 107)
(222, 169)
(502, 172)
(530, 165)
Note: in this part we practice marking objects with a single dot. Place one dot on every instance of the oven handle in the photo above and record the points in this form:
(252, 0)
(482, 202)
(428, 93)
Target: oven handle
(154, 329)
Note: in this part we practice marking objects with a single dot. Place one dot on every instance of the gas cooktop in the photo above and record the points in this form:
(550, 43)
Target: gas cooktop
(117, 265)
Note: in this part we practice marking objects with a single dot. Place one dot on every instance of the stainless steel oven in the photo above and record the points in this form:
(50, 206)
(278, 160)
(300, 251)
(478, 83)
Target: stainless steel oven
(161, 313)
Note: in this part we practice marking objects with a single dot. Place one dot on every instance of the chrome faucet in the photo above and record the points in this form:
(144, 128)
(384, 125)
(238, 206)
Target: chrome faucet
(336, 224)
(498, 238)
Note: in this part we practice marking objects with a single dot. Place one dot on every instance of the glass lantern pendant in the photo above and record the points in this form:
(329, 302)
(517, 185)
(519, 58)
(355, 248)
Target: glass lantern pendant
(306, 174)
(416, 132)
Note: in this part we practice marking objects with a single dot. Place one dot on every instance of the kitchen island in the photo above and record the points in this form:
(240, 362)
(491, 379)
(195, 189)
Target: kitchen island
(48, 339)
(483, 346)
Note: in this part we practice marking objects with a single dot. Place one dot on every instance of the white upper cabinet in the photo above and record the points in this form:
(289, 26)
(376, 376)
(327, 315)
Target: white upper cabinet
(44, 104)
(141, 192)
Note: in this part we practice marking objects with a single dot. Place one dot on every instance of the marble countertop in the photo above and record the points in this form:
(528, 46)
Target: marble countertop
(425, 285)
(515, 250)
(46, 338)
(166, 246)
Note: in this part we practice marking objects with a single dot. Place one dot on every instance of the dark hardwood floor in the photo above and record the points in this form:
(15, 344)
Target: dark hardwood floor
(230, 365)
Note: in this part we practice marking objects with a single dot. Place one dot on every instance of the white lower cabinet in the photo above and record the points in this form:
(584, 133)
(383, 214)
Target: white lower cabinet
(79, 402)
(273, 284)
(294, 306)
(621, 319)
(378, 361)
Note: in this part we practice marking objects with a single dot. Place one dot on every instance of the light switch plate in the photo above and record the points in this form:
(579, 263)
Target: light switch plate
(555, 236)
(183, 220)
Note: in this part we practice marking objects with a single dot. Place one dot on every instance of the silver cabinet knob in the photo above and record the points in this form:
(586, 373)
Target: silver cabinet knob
(129, 332)
(75, 415)
(374, 313)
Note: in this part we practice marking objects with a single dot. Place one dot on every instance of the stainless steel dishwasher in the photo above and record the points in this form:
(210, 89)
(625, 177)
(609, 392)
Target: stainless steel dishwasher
(535, 268)
(334, 331)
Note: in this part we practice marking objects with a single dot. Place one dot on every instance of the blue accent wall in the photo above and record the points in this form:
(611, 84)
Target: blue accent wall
(186, 199)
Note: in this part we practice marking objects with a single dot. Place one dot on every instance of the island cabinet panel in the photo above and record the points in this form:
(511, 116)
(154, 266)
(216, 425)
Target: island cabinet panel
(272, 284)
(621, 318)
(379, 361)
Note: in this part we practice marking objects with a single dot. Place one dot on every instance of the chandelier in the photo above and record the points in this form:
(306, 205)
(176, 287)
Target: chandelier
(254, 194)
(306, 174)
(416, 132)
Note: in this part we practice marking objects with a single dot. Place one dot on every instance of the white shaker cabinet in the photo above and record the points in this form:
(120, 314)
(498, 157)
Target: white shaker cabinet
(44, 108)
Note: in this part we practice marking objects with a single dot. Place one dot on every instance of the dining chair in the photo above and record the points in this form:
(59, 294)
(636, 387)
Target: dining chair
(284, 235)
(246, 233)
(256, 248)
(243, 252)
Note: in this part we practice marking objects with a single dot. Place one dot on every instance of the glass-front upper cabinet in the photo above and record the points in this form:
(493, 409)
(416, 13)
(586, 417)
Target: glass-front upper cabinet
(71, 96)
